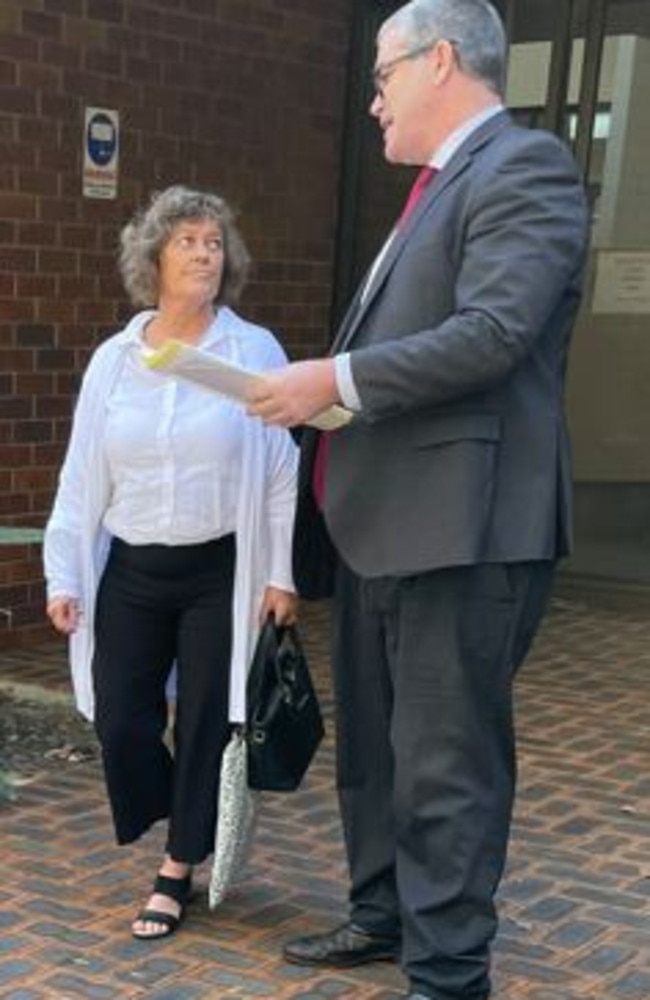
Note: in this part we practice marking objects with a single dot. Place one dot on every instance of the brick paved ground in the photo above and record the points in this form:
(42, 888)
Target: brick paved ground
(575, 903)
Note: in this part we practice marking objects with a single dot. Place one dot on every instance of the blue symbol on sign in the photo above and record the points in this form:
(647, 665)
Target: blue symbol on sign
(101, 139)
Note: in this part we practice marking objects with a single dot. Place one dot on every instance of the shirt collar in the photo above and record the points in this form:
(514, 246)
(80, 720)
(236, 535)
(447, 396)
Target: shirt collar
(454, 141)
(134, 330)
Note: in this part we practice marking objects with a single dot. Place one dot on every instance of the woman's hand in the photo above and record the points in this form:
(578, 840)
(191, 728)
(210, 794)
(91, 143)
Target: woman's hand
(64, 614)
(283, 604)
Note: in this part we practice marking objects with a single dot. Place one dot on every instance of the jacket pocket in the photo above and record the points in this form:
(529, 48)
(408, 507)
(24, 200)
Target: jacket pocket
(456, 427)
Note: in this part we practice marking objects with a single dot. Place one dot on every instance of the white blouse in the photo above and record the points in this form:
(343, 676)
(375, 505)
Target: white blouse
(174, 458)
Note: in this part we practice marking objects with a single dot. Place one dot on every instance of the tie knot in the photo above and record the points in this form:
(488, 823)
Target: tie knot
(419, 184)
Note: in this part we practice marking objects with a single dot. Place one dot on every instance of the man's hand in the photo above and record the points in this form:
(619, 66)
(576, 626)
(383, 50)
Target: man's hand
(295, 394)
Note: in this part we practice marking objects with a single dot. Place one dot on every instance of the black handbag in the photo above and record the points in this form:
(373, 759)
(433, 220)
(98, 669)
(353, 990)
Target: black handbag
(284, 724)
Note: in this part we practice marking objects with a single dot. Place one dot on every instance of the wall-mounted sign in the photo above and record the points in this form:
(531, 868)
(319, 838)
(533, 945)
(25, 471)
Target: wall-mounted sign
(101, 152)
(622, 282)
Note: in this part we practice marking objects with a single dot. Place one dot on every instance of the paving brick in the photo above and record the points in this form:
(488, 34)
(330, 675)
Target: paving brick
(60, 931)
(79, 986)
(549, 909)
(15, 969)
(634, 985)
(604, 959)
(572, 934)
(181, 992)
(20, 994)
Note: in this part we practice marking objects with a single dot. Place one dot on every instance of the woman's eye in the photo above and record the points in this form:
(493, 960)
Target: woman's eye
(189, 243)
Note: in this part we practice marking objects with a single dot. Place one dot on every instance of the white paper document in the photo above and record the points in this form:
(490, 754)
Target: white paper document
(202, 368)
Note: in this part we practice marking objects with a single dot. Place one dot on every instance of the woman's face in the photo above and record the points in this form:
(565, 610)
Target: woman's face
(191, 262)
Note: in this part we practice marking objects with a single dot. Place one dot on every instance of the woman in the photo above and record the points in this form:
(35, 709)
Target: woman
(170, 537)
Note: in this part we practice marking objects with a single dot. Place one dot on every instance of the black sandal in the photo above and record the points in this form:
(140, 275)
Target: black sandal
(177, 889)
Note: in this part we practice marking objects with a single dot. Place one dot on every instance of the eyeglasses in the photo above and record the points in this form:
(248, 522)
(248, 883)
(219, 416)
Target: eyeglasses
(382, 74)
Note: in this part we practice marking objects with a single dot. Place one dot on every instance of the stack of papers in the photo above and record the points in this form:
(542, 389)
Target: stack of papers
(203, 368)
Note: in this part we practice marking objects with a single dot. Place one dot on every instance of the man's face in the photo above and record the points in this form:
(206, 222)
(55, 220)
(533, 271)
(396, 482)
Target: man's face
(405, 98)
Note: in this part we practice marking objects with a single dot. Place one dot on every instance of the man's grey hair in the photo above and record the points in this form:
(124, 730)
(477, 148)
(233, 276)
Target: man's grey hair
(473, 26)
(143, 238)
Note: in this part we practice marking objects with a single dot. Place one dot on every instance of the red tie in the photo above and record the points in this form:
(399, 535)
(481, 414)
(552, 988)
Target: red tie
(416, 192)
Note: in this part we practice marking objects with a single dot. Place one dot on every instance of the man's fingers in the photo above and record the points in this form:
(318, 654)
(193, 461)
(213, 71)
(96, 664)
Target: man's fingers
(259, 391)
(270, 413)
(274, 408)
(293, 395)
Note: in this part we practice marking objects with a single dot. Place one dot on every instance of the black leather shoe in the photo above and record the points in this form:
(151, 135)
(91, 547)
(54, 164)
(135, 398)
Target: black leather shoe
(341, 948)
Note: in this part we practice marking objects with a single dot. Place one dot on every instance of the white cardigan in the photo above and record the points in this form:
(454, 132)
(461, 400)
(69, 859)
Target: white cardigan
(76, 543)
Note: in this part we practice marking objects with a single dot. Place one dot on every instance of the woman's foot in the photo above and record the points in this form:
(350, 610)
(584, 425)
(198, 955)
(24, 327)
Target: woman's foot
(166, 907)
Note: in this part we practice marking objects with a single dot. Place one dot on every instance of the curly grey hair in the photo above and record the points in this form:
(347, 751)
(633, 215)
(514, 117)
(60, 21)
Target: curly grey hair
(143, 238)
(473, 26)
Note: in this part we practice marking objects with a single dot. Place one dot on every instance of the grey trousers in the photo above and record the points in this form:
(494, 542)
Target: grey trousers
(423, 674)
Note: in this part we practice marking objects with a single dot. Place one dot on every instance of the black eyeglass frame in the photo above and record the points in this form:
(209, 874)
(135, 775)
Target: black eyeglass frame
(382, 74)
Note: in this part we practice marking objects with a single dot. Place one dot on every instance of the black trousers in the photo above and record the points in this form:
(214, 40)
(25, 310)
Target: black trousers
(158, 606)
(423, 676)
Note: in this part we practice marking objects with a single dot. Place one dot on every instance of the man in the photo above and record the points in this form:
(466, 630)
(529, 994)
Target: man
(447, 497)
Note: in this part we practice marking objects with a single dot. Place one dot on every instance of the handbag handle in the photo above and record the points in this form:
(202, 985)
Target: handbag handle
(269, 643)
(272, 636)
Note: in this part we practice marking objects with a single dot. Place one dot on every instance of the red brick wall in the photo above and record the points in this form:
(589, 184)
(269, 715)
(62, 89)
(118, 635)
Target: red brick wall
(241, 96)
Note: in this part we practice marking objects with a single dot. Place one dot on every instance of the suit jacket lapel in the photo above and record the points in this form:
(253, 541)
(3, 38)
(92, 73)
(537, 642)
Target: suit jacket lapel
(349, 321)
(459, 161)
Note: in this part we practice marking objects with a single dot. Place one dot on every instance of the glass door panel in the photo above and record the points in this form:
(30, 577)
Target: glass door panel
(609, 374)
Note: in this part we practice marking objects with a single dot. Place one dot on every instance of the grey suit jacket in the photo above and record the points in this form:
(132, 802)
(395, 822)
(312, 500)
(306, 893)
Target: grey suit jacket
(461, 453)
